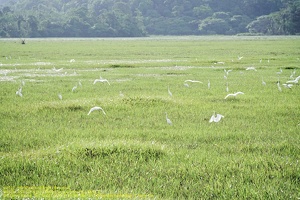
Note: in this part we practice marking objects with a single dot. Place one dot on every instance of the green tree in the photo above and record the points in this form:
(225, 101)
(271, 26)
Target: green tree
(212, 25)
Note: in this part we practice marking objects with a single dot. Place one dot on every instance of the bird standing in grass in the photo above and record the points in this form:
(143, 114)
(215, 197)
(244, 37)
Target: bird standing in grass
(278, 86)
(227, 72)
(280, 72)
(169, 91)
(19, 92)
(263, 82)
(227, 88)
(168, 120)
(74, 88)
(216, 118)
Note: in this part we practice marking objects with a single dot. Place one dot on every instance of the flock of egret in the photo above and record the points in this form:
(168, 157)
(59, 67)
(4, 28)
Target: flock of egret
(214, 118)
(217, 117)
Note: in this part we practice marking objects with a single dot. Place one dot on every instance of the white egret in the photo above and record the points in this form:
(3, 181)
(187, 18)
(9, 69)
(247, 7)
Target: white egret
(169, 91)
(60, 96)
(96, 108)
(216, 118)
(19, 92)
(289, 86)
(192, 81)
(251, 68)
(233, 95)
(74, 88)
(292, 74)
(57, 70)
(168, 120)
(208, 84)
(263, 82)
(227, 71)
(260, 60)
(295, 81)
(280, 72)
(227, 88)
(278, 86)
(102, 80)
(240, 57)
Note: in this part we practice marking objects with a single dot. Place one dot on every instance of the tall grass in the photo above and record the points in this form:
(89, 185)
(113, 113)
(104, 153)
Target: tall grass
(50, 145)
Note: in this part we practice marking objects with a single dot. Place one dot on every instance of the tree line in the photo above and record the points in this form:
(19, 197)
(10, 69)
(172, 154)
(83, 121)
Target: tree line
(135, 18)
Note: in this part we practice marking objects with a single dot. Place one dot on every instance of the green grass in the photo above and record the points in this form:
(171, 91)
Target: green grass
(51, 148)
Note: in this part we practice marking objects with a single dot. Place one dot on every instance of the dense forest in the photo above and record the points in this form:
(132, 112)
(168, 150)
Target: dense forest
(134, 18)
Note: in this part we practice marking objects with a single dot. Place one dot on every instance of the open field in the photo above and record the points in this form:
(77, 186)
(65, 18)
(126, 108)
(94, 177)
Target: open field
(52, 148)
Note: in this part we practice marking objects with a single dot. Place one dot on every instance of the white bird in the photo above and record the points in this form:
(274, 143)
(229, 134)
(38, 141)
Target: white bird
(220, 63)
(289, 86)
(102, 80)
(192, 81)
(96, 108)
(233, 95)
(216, 118)
(80, 84)
(168, 120)
(292, 74)
(227, 71)
(260, 60)
(57, 70)
(60, 96)
(74, 88)
(208, 84)
(186, 85)
(251, 68)
(278, 86)
(19, 92)
(263, 82)
(295, 81)
(169, 91)
(227, 88)
(280, 71)
(240, 57)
